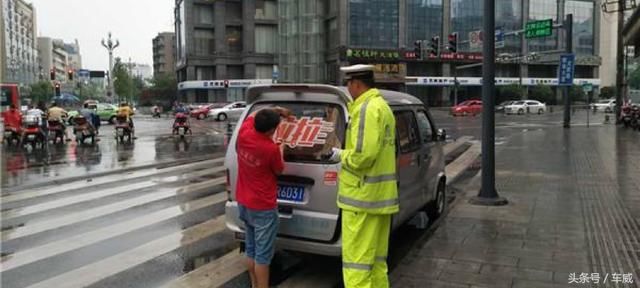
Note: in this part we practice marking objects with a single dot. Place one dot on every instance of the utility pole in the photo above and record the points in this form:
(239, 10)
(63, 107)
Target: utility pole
(110, 45)
(568, 29)
(488, 194)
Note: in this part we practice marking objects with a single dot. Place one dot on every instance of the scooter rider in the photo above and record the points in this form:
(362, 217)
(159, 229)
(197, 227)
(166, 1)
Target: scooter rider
(91, 116)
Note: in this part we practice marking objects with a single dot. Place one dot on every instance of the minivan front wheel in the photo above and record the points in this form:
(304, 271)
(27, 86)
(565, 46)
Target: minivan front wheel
(437, 206)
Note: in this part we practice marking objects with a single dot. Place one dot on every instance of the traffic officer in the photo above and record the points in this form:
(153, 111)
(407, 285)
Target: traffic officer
(368, 194)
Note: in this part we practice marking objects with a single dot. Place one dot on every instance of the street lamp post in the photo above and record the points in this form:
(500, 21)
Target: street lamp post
(110, 45)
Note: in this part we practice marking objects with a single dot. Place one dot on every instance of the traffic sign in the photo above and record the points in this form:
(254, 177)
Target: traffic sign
(540, 28)
(565, 71)
(587, 87)
(499, 37)
(475, 40)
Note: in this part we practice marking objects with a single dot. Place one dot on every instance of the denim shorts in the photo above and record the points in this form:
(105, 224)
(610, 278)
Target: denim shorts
(261, 228)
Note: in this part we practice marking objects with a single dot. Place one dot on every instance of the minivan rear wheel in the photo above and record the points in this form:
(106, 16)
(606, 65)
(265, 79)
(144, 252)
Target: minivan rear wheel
(436, 207)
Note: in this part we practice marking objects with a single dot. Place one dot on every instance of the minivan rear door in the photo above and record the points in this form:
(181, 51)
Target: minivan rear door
(307, 188)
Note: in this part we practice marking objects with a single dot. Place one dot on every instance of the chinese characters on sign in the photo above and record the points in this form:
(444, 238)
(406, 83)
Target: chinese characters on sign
(373, 54)
(596, 278)
(303, 132)
(535, 29)
(565, 71)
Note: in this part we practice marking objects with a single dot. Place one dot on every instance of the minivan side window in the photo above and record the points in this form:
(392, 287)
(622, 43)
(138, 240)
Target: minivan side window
(407, 132)
(426, 130)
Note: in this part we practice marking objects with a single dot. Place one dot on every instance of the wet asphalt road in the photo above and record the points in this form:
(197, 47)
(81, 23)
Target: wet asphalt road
(143, 227)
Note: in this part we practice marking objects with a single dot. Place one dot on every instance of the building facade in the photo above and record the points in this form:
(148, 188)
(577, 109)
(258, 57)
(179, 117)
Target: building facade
(142, 71)
(53, 58)
(20, 53)
(226, 40)
(73, 55)
(164, 53)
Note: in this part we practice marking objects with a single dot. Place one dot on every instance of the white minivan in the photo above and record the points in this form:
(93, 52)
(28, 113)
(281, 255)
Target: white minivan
(308, 187)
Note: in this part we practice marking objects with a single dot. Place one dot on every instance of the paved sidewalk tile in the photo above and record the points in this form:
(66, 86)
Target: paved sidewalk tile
(572, 218)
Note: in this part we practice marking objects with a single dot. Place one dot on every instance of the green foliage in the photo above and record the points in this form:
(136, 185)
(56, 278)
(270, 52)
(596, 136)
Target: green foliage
(543, 94)
(162, 91)
(41, 91)
(510, 92)
(577, 94)
(634, 79)
(608, 92)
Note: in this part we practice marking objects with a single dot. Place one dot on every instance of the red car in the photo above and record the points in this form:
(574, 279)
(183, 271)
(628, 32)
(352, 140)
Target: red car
(469, 107)
(203, 111)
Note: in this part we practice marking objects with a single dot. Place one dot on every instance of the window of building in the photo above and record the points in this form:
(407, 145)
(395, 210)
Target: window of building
(234, 39)
(205, 73)
(233, 11)
(266, 9)
(373, 23)
(264, 71)
(266, 39)
(235, 72)
(467, 16)
(582, 25)
(204, 14)
(424, 20)
(204, 42)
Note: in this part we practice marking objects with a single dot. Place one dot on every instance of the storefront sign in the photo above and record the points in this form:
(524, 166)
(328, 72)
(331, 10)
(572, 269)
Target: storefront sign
(372, 54)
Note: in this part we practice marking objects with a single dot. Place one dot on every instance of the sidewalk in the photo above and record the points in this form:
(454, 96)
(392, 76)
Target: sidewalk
(574, 208)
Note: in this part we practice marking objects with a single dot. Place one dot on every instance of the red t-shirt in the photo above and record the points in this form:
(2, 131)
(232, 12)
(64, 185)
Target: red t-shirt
(259, 162)
(12, 119)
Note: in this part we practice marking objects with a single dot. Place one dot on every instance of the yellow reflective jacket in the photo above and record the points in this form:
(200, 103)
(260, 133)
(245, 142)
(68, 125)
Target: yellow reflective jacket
(367, 179)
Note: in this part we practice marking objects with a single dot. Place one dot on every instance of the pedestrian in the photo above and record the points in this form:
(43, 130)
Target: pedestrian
(367, 191)
(260, 161)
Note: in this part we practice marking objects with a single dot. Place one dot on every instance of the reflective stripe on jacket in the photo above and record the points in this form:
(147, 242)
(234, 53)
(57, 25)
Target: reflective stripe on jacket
(367, 179)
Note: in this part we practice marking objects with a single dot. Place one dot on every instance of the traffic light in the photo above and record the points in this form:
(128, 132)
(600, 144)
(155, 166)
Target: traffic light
(52, 74)
(453, 42)
(57, 88)
(70, 75)
(417, 49)
(434, 46)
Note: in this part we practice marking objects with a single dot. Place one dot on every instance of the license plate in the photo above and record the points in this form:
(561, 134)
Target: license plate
(31, 137)
(291, 193)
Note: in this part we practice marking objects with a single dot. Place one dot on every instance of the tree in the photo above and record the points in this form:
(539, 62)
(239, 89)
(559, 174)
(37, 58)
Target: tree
(543, 94)
(608, 92)
(41, 91)
(163, 90)
(123, 85)
(634, 79)
(510, 92)
(577, 94)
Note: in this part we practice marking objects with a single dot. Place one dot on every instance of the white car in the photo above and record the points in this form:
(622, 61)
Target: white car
(604, 105)
(525, 106)
(232, 110)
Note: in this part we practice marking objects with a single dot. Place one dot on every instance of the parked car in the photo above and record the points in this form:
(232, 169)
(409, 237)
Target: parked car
(203, 111)
(500, 107)
(525, 106)
(106, 112)
(469, 107)
(233, 111)
(607, 105)
(307, 188)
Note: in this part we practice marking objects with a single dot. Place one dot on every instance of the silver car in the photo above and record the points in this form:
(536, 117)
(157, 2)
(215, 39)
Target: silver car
(308, 187)
(229, 111)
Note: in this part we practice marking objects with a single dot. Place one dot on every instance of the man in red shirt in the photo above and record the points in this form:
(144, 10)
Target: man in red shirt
(259, 163)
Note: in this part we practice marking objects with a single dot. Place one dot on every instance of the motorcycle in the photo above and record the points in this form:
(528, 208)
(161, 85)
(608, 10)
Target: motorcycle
(181, 125)
(625, 116)
(635, 117)
(123, 129)
(83, 130)
(12, 135)
(56, 131)
(33, 136)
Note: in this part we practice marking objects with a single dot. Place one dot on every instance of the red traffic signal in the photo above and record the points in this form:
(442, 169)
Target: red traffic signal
(57, 88)
(70, 74)
(453, 42)
(52, 74)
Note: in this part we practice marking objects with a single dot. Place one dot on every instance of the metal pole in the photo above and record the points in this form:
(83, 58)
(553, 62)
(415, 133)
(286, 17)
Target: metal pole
(619, 60)
(455, 85)
(488, 194)
(568, 25)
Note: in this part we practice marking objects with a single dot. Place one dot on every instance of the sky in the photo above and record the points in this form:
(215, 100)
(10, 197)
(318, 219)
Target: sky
(133, 22)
